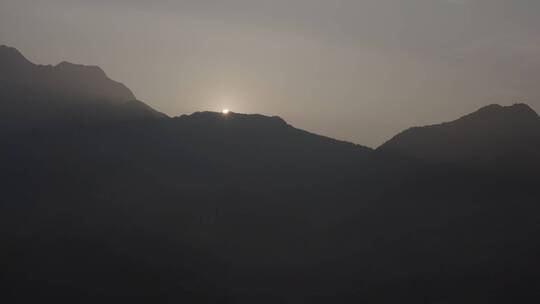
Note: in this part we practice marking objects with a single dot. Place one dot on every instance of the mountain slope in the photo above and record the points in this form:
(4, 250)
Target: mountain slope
(32, 93)
(494, 133)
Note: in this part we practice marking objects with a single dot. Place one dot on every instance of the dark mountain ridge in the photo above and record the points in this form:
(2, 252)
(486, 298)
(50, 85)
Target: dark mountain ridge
(31, 93)
(242, 208)
(494, 133)
(63, 78)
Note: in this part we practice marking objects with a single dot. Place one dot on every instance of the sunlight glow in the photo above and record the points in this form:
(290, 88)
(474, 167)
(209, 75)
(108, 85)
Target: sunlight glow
(225, 111)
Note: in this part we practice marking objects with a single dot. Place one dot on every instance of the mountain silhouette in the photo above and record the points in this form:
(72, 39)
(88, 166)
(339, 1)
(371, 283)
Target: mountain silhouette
(493, 133)
(105, 199)
(243, 137)
(64, 92)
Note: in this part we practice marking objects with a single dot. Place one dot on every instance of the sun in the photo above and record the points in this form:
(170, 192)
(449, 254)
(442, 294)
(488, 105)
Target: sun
(225, 111)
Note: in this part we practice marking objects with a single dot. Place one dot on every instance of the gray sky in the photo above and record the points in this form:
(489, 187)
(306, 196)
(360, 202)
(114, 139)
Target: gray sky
(359, 70)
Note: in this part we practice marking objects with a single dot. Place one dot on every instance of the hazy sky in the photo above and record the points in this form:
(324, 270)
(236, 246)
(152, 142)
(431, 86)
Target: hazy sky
(359, 70)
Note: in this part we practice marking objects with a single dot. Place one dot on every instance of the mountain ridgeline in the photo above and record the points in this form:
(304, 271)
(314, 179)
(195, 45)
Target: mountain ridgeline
(105, 199)
(31, 93)
(491, 134)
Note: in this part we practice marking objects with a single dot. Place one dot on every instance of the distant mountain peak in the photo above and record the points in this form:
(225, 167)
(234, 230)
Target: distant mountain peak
(523, 107)
(76, 79)
(9, 51)
(34, 93)
(492, 132)
(518, 109)
(10, 57)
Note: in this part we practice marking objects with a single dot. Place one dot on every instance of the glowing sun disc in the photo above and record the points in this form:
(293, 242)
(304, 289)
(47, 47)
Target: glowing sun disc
(225, 111)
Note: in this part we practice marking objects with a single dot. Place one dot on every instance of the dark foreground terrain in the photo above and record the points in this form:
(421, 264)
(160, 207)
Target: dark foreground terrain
(105, 200)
